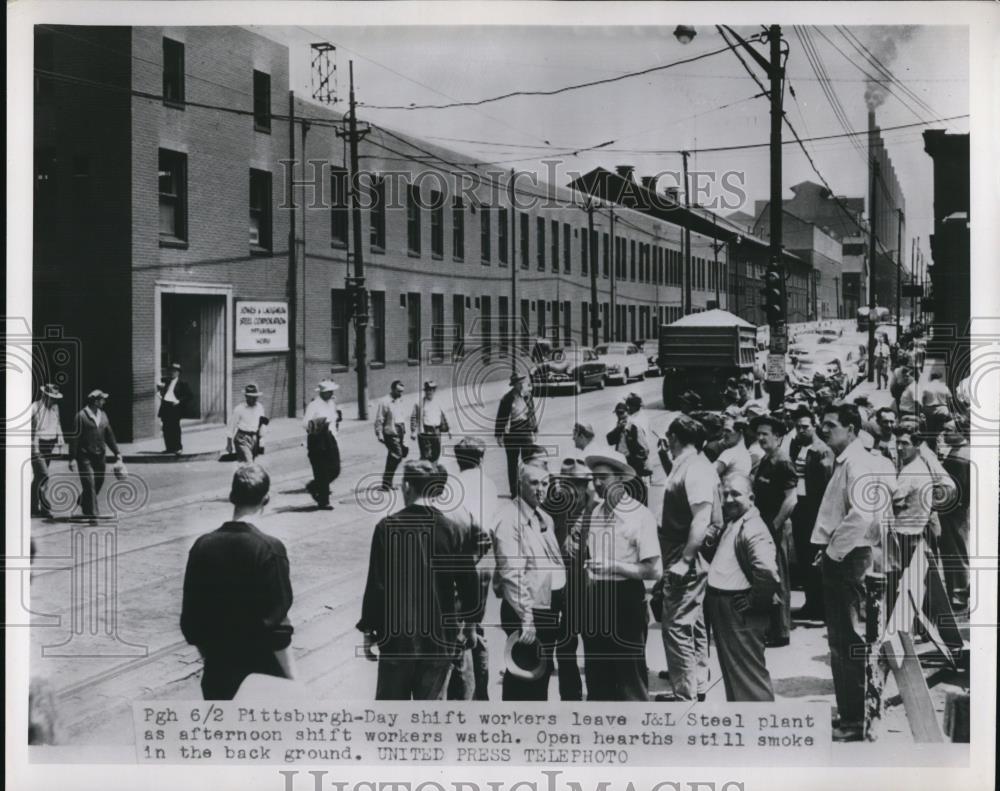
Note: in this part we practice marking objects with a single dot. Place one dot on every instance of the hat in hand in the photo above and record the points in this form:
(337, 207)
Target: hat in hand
(524, 660)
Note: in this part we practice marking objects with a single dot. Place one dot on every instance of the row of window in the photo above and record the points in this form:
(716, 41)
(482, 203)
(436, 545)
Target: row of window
(553, 320)
(174, 85)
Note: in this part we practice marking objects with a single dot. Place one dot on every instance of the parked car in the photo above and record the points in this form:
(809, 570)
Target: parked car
(572, 369)
(649, 349)
(833, 362)
(624, 361)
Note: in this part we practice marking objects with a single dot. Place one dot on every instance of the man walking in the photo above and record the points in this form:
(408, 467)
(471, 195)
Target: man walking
(516, 425)
(882, 359)
(321, 422)
(427, 423)
(88, 447)
(619, 549)
(237, 594)
(813, 461)
(422, 585)
(390, 430)
(691, 503)
(46, 437)
(246, 427)
(742, 584)
(174, 398)
(847, 527)
(629, 439)
(774, 490)
(530, 578)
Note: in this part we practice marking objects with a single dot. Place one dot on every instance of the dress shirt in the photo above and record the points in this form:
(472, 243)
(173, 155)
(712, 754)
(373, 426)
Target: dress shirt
(625, 535)
(45, 422)
(912, 498)
(318, 408)
(725, 573)
(426, 414)
(529, 563)
(168, 394)
(246, 418)
(851, 513)
(391, 413)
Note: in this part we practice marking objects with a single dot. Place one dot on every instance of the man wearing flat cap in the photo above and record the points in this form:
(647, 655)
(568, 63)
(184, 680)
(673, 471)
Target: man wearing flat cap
(617, 546)
(516, 425)
(174, 398)
(428, 422)
(321, 422)
(629, 439)
(88, 448)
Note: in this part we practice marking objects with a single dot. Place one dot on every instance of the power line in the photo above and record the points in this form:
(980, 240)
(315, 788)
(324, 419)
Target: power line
(553, 92)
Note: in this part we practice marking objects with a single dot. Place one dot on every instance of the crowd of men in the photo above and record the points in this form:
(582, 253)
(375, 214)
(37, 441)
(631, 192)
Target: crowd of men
(755, 504)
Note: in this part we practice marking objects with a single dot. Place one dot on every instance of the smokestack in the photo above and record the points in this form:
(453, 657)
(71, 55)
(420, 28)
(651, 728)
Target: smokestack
(625, 171)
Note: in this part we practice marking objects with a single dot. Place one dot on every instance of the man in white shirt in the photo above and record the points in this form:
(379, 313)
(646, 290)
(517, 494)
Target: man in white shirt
(618, 545)
(46, 438)
(734, 457)
(911, 507)
(246, 427)
(427, 423)
(530, 578)
(390, 430)
(848, 527)
(320, 422)
(174, 395)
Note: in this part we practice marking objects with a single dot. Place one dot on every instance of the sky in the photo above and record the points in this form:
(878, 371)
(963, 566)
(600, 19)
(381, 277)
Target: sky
(705, 104)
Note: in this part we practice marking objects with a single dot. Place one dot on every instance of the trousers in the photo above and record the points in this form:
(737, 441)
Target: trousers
(514, 444)
(40, 475)
(412, 678)
(780, 627)
(739, 643)
(805, 573)
(395, 453)
(245, 446)
(324, 458)
(170, 419)
(223, 675)
(685, 641)
(614, 641)
(429, 442)
(91, 468)
(954, 546)
(844, 599)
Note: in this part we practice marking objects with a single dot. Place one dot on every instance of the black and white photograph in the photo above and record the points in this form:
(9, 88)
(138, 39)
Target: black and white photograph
(529, 391)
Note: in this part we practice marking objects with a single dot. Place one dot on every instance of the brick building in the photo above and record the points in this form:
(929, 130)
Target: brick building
(163, 232)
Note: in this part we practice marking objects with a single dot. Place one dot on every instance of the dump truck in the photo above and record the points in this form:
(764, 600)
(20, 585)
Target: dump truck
(701, 351)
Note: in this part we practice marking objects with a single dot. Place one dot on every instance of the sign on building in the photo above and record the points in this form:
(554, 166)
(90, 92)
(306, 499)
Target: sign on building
(261, 326)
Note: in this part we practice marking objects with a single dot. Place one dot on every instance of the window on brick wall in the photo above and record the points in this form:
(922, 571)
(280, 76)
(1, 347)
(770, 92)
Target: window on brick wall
(413, 219)
(377, 214)
(173, 73)
(458, 320)
(540, 241)
(339, 322)
(485, 234)
(173, 196)
(413, 326)
(339, 216)
(567, 248)
(261, 101)
(458, 229)
(376, 326)
(504, 314)
(607, 256)
(585, 323)
(437, 327)
(555, 246)
(437, 224)
(260, 210)
(584, 251)
(503, 236)
(632, 260)
(525, 240)
(567, 317)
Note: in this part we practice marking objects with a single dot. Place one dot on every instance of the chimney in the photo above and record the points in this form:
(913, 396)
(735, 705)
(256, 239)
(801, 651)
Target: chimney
(649, 182)
(625, 171)
(673, 193)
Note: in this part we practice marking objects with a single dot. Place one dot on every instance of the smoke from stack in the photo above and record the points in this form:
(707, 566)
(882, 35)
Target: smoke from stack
(882, 43)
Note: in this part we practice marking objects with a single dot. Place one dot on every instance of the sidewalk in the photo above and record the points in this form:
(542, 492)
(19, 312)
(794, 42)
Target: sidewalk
(878, 398)
(203, 442)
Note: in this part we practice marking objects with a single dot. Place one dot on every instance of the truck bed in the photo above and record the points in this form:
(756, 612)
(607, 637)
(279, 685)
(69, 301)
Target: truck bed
(707, 347)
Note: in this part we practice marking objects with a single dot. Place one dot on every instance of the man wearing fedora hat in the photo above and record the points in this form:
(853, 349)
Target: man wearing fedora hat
(246, 426)
(619, 549)
(390, 430)
(530, 579)
(46, 436)
(570, 497)
(88, 447)
(321, 421)
(174, 397)
(428, 422)
(516, 425)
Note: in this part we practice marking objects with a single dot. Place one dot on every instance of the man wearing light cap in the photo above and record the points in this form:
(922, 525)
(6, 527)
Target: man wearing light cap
(88, 448)
(246, 426)
(617, 546)
(320, 422)
(427, 423)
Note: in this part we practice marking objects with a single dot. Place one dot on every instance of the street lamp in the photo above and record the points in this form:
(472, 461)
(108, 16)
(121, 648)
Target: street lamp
(777, 311)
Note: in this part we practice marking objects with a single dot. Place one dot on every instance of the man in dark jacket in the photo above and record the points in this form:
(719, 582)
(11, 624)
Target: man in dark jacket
(174, 398)
(422, 591)
(813, 461)
(92, 436)
(742, 583)
(237, 594)
(629, 439)
(516, 425)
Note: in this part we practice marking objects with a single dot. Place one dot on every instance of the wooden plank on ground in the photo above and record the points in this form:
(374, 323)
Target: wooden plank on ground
(909, 677)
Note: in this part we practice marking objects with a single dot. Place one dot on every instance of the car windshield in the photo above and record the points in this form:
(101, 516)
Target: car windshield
(615, 348)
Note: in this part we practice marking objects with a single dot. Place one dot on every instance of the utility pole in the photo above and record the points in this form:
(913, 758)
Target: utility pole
(356, 284)
(513, 277)
(592, 249)
(293, 269)
(778, 346)
(913, 278)
(715, 250)
(899, 273)
(614, 278)
(687, 239)
(872, 240)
